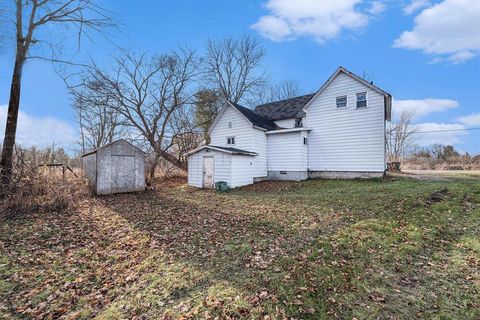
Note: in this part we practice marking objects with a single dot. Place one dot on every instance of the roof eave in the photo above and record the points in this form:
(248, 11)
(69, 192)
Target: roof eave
(287, 130)
(220, 150)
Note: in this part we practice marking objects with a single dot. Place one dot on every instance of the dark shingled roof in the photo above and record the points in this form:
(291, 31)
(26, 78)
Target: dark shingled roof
(284, 109)
(234, 150)
(255, 118)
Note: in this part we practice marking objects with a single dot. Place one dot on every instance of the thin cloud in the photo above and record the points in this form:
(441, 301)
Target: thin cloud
(321, 20)
(448, 31)
(422, 107)
(472, 120)
(439, 133)
(39, 131)
(415, 5)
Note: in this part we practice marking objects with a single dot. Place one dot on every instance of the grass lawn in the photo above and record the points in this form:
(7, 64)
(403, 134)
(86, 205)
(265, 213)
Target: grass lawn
(319, 249)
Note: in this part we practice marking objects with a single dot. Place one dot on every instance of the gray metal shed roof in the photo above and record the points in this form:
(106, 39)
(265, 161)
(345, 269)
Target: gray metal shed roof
(109, 144)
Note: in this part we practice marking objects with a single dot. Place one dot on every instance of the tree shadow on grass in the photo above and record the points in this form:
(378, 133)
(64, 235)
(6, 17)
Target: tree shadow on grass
(233, 242)
(181, 252)
(243, 245)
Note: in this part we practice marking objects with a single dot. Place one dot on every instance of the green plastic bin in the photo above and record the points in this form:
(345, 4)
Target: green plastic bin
(221, 186)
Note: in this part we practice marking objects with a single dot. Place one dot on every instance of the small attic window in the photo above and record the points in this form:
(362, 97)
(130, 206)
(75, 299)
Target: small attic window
(230, 125)
(298, 122)
(361, 100)
(231, 140)
(341, 101)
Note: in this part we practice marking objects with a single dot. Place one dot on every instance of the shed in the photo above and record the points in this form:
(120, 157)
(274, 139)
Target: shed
(210, 164)
(115, 168)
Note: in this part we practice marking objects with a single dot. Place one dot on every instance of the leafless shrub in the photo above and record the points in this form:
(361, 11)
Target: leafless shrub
(36, 189)
(439, 157)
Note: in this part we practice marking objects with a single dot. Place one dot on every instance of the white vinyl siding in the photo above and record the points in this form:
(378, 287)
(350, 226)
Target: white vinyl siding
(286, 151)
(346, 139)
(260, 147)
(304, 150)
(222, 167)
(241, 130)
(242, 170)
(286, 123)
(246, 138)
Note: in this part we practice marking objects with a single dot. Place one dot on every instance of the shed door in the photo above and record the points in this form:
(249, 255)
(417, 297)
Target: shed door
(208, 172)
(123, 173)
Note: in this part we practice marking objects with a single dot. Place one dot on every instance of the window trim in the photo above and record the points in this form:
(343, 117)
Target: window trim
(366, 99)
(335, 101)
(231, 144)
(301, 122)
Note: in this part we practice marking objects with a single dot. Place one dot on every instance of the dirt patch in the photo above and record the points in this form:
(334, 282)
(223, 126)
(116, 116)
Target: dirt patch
(417, 176)
(437, 196)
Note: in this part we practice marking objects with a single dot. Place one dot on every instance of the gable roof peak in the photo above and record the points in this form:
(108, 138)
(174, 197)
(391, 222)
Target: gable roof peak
(256, 119)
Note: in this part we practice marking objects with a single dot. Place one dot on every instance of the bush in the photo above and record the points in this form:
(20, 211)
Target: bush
(39, 191)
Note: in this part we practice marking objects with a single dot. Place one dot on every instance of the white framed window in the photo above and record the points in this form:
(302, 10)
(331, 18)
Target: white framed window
(305, 140)
(230, 125)
(341, 101)
(298, 122)
(231, 140)
(361, 101)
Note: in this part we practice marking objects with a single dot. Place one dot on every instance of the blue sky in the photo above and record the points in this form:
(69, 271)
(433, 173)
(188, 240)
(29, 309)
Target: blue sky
(425, 53)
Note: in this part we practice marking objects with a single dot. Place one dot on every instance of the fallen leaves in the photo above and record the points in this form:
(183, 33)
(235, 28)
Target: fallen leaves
(268, 251)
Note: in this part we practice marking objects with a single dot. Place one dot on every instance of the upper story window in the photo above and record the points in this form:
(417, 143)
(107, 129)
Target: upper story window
(361, 100)
(230, 140)
(305, 140)
(341, 101)
(298, 122)
(230, 125)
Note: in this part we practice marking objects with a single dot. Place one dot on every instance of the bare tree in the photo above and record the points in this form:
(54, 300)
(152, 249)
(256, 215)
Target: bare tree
(99, 123)
(32, 17)
(151, 95)
(285, 89)
(234, 68)
(400, 136)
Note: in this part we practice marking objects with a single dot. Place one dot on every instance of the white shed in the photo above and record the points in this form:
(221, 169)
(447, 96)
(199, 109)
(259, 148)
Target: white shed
(115, 168)
(210, 164)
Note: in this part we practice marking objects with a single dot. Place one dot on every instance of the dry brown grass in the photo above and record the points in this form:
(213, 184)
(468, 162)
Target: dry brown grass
(318, 249)
(42, 191)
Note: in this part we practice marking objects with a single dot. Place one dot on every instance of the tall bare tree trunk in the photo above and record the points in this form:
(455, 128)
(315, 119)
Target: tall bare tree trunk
(12, 116)
(153, 168)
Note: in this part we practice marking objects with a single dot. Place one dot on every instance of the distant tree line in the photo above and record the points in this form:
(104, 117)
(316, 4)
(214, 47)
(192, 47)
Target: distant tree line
(440, 157)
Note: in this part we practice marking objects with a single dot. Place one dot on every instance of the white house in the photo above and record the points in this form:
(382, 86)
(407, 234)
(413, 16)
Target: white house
(337, 132)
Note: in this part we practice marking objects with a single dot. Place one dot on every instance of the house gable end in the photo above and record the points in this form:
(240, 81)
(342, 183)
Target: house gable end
(369, 85)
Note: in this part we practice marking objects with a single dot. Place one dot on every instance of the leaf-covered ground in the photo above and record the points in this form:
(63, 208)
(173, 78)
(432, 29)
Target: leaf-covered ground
(387, 249)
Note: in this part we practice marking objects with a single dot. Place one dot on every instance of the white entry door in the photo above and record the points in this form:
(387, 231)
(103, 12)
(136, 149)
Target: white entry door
(208, 166)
